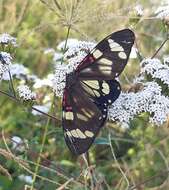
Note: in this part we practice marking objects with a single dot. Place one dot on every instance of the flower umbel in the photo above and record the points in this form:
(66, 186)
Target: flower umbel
(5, 62)
(6, 39)
(25, 93)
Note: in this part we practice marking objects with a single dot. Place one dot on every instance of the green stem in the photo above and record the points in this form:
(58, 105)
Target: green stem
(11, 83)
(33, 108)
(41, 150)
(47, 124)
(67, 36)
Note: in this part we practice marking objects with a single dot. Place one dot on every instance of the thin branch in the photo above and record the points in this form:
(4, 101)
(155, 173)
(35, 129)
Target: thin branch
(11, 83)
(57, 4)
(118, 165)
(163, 43)
(33, 108)
(163, 173)
(40, 153)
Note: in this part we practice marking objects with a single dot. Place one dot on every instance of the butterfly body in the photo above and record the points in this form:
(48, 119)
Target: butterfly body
(71, 79)
(91, 88)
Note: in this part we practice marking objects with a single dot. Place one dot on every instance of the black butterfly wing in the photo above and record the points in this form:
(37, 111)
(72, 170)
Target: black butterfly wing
(108, 59)
(85, 102)
(81, 119)
(84, 113)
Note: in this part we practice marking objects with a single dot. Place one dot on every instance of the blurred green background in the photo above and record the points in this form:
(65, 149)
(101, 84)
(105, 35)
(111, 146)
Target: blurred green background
(142, 150)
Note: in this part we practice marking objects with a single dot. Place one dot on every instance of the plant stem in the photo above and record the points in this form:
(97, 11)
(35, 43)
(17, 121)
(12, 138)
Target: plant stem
(33, 108)
(118, 165)
(67, 36)
(41, 150)
(163, 43)
(11, 83)
(47, 124)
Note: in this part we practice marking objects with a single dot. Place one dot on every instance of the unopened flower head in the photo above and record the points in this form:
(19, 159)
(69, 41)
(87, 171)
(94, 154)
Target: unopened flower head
(25, 93)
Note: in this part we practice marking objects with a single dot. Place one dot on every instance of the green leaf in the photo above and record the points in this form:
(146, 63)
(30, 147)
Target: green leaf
(5, 183)
(102, 141)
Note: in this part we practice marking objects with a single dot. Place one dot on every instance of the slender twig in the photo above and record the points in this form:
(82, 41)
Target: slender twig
(65, 45)
(22, 13)
(57, 4)
(88, 169)
(162, 173)
(33, 108)
(12, 84)
(163, 43)
(40, 153)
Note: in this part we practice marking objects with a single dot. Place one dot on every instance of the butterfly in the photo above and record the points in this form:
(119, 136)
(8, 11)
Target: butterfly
(91, 88)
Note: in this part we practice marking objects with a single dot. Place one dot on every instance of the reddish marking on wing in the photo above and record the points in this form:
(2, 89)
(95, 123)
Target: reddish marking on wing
(86, 61)
(65, 104)
(68, 108)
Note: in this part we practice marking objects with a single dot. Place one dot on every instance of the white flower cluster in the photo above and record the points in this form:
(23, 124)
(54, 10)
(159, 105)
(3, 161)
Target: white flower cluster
(75, 53)
(139, 10)
(26, 178)
(16, 70)
(39, 83)
(5, 62)
(59, 79)
(19, 144)
(25, 93)
(162, 12)
(7, 39)
(150, 100)
(156, 69)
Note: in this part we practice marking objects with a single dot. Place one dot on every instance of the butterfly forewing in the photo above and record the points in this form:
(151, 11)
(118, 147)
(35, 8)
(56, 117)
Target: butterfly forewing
(81, 119)
(107, 60)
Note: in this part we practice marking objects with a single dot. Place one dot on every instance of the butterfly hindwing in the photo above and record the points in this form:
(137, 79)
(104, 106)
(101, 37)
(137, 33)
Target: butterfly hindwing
(84, 114)
(108, 59)
(81, 119)
(102, 91)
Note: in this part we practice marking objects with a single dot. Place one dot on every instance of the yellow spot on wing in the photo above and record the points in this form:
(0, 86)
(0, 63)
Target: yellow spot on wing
(105, 88)
(80, 134)
(105, 61)
(122, 55)
(68, 134)
(69, 115)
(114, 46)
(97, 53)
(88, 113)
(92, 83)
(74, 133)
(82, 117)
(89, 133)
